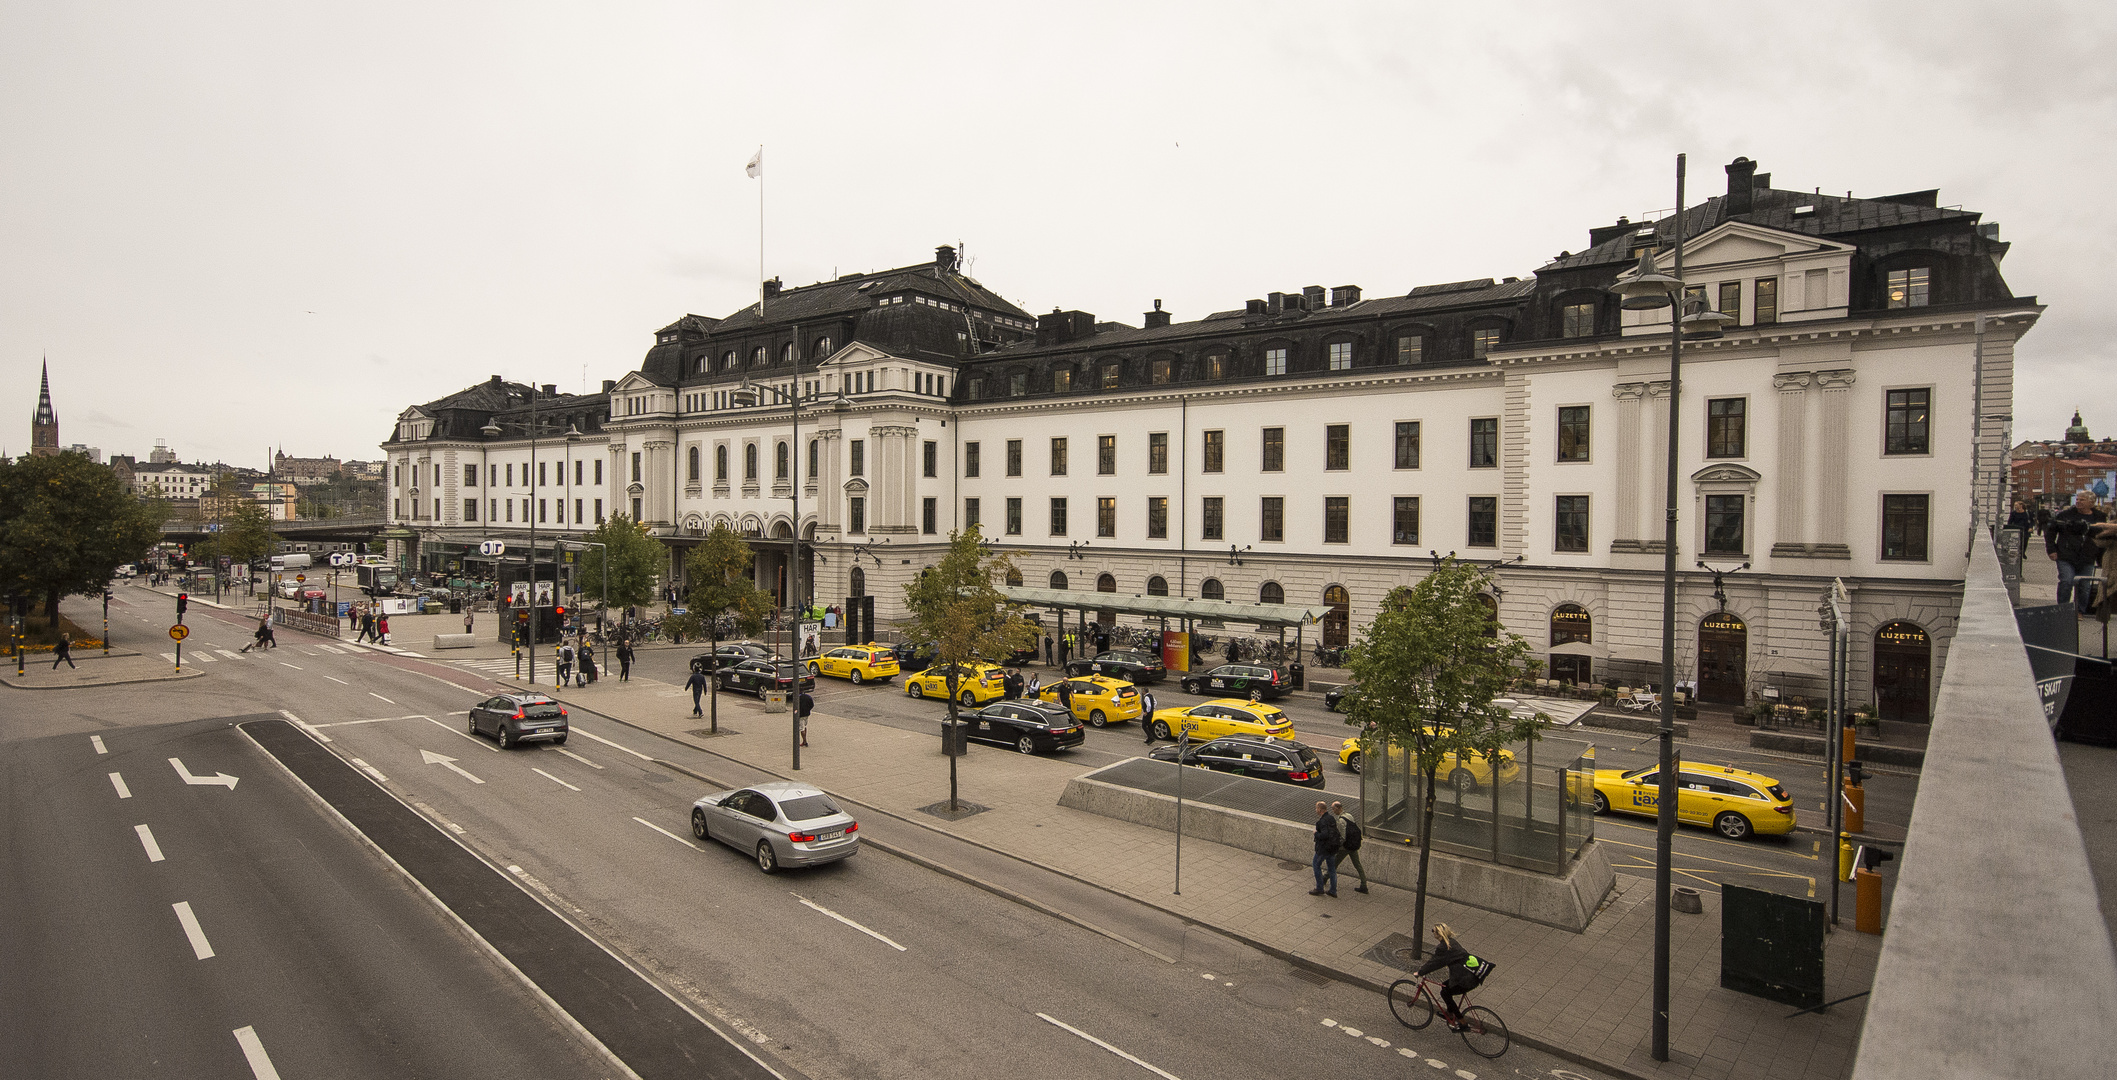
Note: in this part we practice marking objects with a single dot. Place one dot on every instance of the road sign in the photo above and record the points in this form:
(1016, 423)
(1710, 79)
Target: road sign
(340, 558)
(492, 547)
(301, 577)
(180, 631)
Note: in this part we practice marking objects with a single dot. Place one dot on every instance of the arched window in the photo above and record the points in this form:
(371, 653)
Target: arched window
(1157, 586)
(1337, 622)
(691, 465)
(757, 356)
(1105, 583)
(779, 463)
(720, 464)
(812, 459)
(859, 582)
(786, 353)
(821, 349)
(1014, 578)
(1210, 589)
(749, 461)
(1058, 579)
(1271, 592)
(727, 360)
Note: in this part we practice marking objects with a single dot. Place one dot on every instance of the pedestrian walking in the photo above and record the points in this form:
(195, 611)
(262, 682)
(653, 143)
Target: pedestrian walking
(565, 663)
(469, 620)
(257, 636)
(2066, 542)
(624, 661)
(1065, 696)
(587, 676)
(802, 710)
(1324, 863)
(1047, 648)
(697, 685)
(63, 651)
(382, 628)
(1348, 842)
(1146, 714)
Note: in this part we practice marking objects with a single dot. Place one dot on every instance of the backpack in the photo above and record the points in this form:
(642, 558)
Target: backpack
(1351, 829)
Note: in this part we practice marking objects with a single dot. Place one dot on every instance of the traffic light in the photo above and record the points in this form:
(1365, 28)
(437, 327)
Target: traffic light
(560, 611)
(1855, 773)
(183, 600)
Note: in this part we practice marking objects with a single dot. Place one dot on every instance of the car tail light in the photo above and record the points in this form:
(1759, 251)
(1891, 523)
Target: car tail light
(1784, 809)
(801, 837)
(853, 828)
(517, 715)
(1298, 777)
(1275, 678)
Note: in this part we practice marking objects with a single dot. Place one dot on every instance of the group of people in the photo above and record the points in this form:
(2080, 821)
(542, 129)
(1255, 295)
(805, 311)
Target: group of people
(368, 624)
(577, 663)
(262, 638)
(2078, 538)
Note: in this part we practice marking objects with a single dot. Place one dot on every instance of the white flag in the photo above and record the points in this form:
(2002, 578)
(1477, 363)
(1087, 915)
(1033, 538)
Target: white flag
(755, 168)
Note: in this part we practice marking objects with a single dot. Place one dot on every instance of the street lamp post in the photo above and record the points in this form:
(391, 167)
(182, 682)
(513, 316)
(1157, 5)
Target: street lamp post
(1646, 289)
(491, 430)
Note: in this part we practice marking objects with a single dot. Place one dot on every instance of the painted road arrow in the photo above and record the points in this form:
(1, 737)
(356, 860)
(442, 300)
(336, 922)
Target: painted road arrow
(448, 763)
(222, 779)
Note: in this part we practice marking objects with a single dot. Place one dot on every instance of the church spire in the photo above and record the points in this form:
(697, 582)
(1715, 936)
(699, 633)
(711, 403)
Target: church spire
(44, 427)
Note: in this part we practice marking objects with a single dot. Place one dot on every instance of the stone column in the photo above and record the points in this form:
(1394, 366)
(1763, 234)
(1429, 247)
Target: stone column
(1515, 437)
(1833, 430)
(1630, 403)
(1656, 483)
(830, 494)
(1793, 483)
(891, 500)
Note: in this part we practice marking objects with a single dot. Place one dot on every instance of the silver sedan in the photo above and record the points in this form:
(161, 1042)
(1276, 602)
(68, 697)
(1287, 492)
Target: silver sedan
(780, 824)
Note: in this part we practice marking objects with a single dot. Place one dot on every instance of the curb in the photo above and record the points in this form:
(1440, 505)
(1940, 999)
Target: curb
(97, 685)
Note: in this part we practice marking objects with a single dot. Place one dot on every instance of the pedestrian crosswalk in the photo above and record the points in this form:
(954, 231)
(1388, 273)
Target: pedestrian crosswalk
(498, 665)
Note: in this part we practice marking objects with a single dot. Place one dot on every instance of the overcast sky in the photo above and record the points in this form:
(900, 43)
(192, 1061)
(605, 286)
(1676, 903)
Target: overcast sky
(245, 225)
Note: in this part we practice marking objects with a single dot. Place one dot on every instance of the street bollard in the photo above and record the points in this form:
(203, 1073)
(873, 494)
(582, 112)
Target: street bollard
(1867, 917)
(1845, 854)
(1855, 807)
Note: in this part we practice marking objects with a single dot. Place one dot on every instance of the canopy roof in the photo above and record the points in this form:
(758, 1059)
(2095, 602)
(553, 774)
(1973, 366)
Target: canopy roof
(1173, 607)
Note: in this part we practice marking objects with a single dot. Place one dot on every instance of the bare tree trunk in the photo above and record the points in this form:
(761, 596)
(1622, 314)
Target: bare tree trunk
(953, 805)
(51, 610)
(1418, 909)
(713, 677)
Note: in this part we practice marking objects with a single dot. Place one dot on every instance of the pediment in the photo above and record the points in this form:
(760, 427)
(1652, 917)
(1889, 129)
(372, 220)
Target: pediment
(1726, 473)
(857, 352)
(1738, 242)
(634, 381)
(856, 486)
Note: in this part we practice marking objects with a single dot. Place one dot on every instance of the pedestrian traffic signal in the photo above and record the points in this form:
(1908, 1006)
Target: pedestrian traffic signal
(183, 600)
(560, 611)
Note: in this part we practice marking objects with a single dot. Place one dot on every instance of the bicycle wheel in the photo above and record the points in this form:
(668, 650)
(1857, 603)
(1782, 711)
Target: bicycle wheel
(1413, 1008)
(1484, 1032)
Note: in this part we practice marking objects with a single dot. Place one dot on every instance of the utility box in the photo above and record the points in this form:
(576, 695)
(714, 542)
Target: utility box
(1772, 946)
(955, 739)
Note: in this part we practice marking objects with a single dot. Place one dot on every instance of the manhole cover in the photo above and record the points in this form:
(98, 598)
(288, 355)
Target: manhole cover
(956, 811)
(1289, 864)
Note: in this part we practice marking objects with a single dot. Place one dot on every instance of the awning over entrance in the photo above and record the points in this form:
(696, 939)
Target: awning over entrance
(1170, 607)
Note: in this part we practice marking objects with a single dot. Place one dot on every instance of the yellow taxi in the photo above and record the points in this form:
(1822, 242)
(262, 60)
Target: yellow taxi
(1098, 699)
(1734, 802)
(1466, 775)
(976, 684)
(1223, 716)
(860, 663)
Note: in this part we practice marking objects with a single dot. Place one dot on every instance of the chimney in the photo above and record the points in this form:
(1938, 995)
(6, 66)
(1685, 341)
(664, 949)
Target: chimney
(1274, 303)
(609, 385)
(1741, 186)
(1605, 233)
(1060, 327)
(1345, 296)
(496, 380)
(771, 288)
(1253, 307)
(1312, 297)
(551, 389)
(945, 259)
(1157, 317)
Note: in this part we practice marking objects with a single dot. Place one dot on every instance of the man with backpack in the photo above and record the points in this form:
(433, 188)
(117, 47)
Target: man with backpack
(1325, 861)
(1348, 842)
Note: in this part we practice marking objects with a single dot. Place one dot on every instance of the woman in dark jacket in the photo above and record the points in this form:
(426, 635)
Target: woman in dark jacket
(1465, 971)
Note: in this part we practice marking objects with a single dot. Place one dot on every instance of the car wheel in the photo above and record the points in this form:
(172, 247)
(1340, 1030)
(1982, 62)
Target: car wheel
(1193, 686)
(1462, 781)
(560, 741)
(856, 677)
(474, 726)
(1161, 729)
(1732, 825)
(1602, 803)
(767, 859)
(915, 690)
(1026, 745)
(815, 670)
(1357, 760)
(968, 698)
(698, 824)
(1097, 719)
(507, 739)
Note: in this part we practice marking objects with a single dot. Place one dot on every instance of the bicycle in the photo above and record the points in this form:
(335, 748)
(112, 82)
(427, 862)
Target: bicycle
(1412, 1000)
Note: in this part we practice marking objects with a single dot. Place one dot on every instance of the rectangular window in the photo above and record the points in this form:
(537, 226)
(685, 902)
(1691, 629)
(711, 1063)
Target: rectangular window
(1485, 443)
(1215, 443)
(400, 475)
(970, 459)
(1767, 301)
(599, 511)
(1725, 427)
(1573, 433)
(577, 471)
(1484, 522)
(1216, 366)
(1058, 456)
(1337, 515)
(1014, 457)
(1571, 520)
(1062, 380)
(1017, 384)
(856, 453)
(970, 514)
(1723, 525)
(1577, 320)
(493, 476)
(1407, 444)
(1411, 348)
(1158, 452)
(931, 457)
(1106, 516)
(1275, 361)
(510, 474)
(562, 508)
(929, 516)
(1908, 422)
(635, 467)
(1058, 517)
(1904, 527)
(542, 506)
(1693, 297)
(1014, 517)
(1106, 455)
(856, 515)
(599, 472)
(1211, 527)
(1271, 519)
(1340, 355)
(577, 512)
(1111, 374)
(510, 510)
(814, 450)
(492, 509)
(1337, 447)
(1157, 518)
(1274, 457)
(470, 508)
(1404, 519)
(470, 476)
(636, 516)
(1482, 342)
(1731, 300)
(1159, 372)
(1907, 288)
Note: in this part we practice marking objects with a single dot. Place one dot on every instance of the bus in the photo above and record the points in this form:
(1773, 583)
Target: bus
(377, 579)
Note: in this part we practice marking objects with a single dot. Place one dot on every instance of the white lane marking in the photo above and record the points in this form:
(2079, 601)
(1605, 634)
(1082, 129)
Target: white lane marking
(384, 700)
(1327, 1022)
(328, 649)
(154, 850)
(254, 1053)
(168, 657)
(371, 770)
(460, 712)
(192, 929)
(97, 742)
(814, 906)
(118, 782)
(205, 657)
(1378, 1041)
(1436, 1063)
(554, 779)
(1352, 1031)
(229, 653)
(377, 720)
(305, 725)
(1466, 1074)
(607, 742)
(296, 667)
(448, 763)
(337, 680)
(1055, 1022)
(577, 757)
(221, 778)
(666, 833)
(462, 734)
(436, 815)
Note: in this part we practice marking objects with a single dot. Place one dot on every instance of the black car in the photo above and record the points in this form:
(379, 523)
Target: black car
(1130, 665)
(1334, 698)
(1245, 755)
(759, 676)
(1031, 727)
(1240, 680)
(520, 718)
(915, 657)
(730, 653)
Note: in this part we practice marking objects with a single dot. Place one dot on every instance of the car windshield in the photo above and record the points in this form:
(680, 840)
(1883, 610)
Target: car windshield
(1778, 791)
(809, 808)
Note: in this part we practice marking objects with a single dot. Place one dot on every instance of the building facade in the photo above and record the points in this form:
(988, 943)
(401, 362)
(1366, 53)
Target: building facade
(1323, 446)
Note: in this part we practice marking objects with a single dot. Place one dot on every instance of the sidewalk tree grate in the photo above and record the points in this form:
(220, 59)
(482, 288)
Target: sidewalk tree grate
(708, 733)
(1396, 951)
(960, 810)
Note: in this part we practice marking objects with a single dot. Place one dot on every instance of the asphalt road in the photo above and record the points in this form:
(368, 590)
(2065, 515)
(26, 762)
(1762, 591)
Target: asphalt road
(874, 967)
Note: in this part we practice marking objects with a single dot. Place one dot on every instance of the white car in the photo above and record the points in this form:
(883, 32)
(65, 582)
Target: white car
(779, 824)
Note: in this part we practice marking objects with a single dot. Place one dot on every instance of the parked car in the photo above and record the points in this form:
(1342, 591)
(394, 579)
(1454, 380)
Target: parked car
(518, 718)
(1266, 682)
(1223, 716)
(859, 663)
(730, 653)
(1031, 727)
(1244, 755)
(976, 684)
(1465, 775)
(760, 676)
(1131, 665)
(1098, 699)
(779, 824)
(915, 657)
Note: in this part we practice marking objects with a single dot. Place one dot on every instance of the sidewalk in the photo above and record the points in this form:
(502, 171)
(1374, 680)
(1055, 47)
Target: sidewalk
(1586, 996)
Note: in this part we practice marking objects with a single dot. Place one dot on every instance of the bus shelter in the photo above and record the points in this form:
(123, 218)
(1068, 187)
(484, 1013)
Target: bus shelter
(1188, 616)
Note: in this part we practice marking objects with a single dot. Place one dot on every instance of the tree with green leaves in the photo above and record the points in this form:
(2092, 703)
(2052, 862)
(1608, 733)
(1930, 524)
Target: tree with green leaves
(66, 525)
(722, 582)
(957, 605)
(635, 560)
(1427, 670)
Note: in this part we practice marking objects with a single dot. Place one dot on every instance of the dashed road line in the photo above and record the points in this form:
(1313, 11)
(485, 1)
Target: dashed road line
(553, 779)
(97, 742)
(607, 742)
(814, 906)
(1156, 1070)
(154, 850)
(118, 782)
(254, 1053)
(192, 930)
(666, 833)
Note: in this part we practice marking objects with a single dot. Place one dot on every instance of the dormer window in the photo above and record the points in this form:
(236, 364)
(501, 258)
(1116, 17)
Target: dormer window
(1909, 288)
(1577, 320)
(1483, 341)
(757, 356)
(727, 360)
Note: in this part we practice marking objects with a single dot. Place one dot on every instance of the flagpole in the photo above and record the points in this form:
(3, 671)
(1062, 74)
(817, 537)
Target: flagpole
(760, 231)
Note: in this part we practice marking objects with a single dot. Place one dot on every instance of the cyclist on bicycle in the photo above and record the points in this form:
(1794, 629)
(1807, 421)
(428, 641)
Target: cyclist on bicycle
(1465, 971)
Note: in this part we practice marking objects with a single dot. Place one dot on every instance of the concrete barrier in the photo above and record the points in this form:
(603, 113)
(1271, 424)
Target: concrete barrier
(1644, 723)
(455, 641)
(1874, 753)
